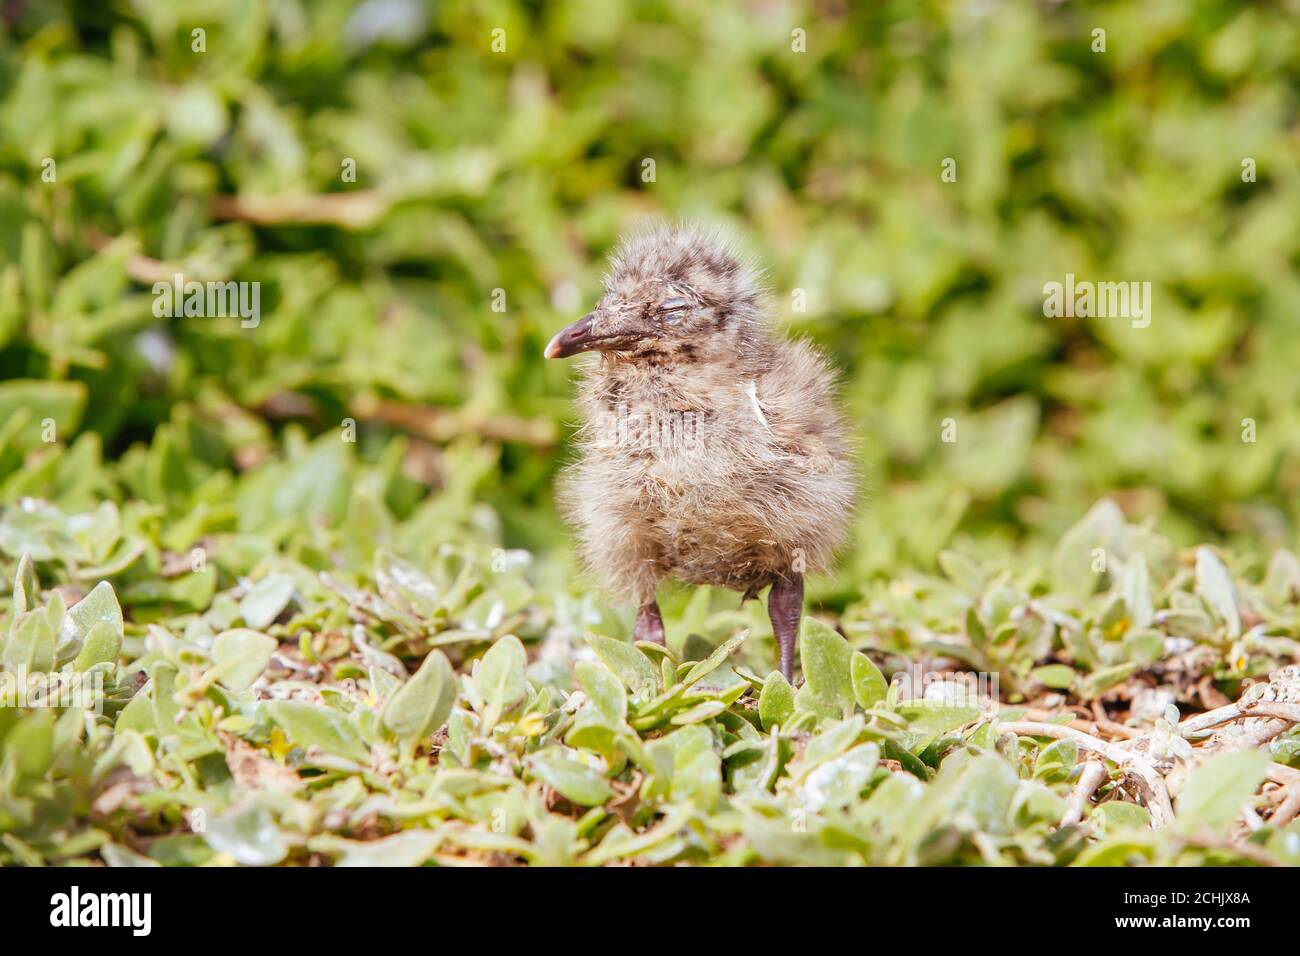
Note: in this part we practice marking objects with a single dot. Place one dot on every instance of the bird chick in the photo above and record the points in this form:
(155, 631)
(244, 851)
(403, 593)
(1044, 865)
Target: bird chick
(710, 448)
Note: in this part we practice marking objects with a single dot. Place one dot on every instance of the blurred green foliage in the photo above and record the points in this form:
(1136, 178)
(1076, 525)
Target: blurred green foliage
(479, 170)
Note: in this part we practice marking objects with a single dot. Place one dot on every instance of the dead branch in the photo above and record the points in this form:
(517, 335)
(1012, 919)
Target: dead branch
(1282, 775)
(140, 268)
(1027, 728)
(1151, 785)
(352, 210)
(1290, 806)
(1264, 712)
(444, 425)
(1236, 711)
(1094, 772)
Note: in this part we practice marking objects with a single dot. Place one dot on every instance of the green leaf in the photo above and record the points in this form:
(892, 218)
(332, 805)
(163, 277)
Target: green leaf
(500, 678)
(249, 835)
(892, 802)
(30, 647)
(1218, 790)
(839, 781)
(975, 629)
(1126, 848)
(632, 667)
(26, 587)
(830, 744)
(103, 645)
(574, 781)
(240, 655)
(1102, 680)
(700, 712)
(1056, 676)
(30, 744)
(986, 790)
(776, 701)
(963, 571)
(266, 601)
(1117, 815)
(1282, 580)
(1037, 801)
(826, 659)
(697, 768)
(309, 725)
(621, 843)
(62, 401)
(1144, 647)
(1074, 560)
(116, 855)
(138, 716)
(1056, 761)
(932, 719)
(714, 660)
(422, 705)
(404, 849)
(604, 691)
(869, 685)
(1214, 585)
(909, 761)
(1135, 585)
(99, 606)
(810, 710)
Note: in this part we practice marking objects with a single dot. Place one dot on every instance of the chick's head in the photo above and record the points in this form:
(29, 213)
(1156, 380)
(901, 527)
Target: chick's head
(673, 292)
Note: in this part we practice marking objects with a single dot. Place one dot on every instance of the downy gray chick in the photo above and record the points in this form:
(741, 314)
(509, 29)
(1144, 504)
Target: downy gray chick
(711, 449)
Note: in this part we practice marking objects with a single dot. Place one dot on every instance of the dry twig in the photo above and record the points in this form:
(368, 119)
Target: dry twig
(1092, 776)
(1266, 711)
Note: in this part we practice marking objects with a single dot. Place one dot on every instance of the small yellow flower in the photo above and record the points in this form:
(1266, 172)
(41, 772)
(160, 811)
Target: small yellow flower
(279, 745)
(532, 725)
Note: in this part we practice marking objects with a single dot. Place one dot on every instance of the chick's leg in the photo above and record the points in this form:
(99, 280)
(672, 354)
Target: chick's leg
(784, 607)
(649, 623)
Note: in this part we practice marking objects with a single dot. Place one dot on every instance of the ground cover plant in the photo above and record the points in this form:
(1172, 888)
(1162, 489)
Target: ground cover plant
(310, 561)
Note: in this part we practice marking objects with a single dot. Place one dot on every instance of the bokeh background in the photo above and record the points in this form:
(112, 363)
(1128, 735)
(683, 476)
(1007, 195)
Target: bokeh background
(479, 170)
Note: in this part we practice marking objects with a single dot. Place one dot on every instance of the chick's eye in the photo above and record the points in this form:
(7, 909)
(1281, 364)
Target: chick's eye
(675, 304)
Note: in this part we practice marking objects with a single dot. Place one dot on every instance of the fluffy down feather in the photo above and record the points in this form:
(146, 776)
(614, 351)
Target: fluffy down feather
(710, 451)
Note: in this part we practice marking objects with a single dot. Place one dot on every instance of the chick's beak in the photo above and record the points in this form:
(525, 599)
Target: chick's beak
(574, 338)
